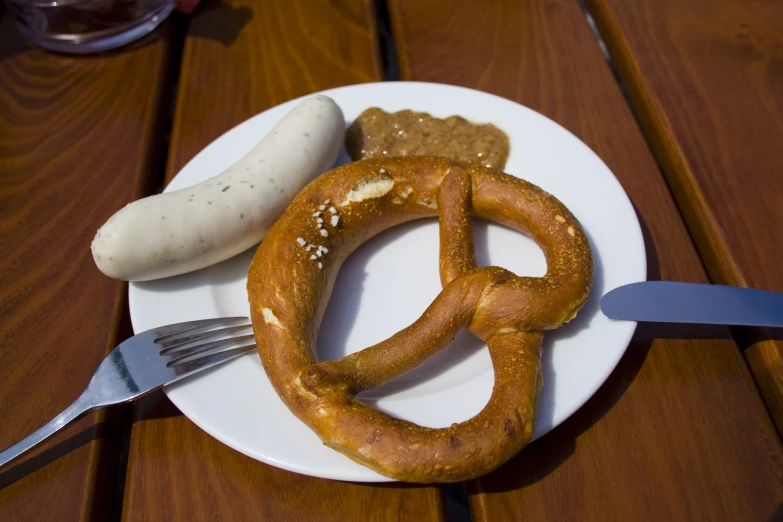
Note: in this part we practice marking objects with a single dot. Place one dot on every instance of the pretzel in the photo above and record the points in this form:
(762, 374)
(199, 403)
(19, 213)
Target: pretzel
(294, 270)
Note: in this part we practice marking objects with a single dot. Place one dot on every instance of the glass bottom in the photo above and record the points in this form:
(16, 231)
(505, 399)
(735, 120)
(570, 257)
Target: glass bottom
(102, 39)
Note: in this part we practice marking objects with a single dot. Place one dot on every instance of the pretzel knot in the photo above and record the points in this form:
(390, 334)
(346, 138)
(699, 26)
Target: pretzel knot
(293, 273)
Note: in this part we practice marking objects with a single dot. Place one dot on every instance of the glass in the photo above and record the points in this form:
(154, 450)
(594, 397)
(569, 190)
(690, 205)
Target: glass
(88, 26)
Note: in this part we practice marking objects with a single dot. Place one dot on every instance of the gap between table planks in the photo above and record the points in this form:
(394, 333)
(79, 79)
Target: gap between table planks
(241, 58)
(706, 79)
(679, 431)
(78, 140)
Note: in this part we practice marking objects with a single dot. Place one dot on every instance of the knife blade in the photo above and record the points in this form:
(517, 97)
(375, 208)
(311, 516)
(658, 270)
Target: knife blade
(674, 302)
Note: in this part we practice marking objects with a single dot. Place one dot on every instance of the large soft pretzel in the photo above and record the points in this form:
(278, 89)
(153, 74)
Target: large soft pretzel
(293, 273)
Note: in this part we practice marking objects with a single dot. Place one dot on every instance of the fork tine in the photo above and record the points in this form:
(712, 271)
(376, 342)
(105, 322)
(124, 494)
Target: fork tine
(186, 368)
(198, 338)
(220, 345)
(173, 331)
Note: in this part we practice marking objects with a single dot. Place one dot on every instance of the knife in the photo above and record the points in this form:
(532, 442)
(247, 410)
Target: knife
(673, 302)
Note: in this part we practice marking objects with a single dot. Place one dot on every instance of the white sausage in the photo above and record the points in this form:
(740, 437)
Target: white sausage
(181, 231)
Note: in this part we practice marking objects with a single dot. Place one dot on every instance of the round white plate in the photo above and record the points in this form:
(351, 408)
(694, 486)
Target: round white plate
(389, 282)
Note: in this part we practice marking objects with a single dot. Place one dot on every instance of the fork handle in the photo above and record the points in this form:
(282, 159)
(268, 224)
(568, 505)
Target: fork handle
(80, 406)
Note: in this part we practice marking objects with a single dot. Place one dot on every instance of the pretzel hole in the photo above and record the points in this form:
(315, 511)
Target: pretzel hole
(499, 245)
(378, 292)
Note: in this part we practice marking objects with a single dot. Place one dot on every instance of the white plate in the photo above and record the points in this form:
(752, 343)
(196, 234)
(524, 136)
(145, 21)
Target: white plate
(388, 282)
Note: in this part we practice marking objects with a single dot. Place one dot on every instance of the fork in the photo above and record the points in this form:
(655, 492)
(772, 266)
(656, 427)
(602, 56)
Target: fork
(146, 362)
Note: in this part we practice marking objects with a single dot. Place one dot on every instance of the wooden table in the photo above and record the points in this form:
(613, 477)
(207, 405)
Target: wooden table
(682, 430)
(705, 80)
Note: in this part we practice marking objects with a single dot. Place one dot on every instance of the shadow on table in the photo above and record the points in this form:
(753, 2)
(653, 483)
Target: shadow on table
(155, 406)
(219, 21)
(11, 42)
(109, 431)
(46, 457)
(749, 336)
(543, 456)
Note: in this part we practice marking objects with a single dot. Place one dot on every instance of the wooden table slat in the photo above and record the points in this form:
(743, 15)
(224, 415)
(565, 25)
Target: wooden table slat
(679, 431)
(706, 80)
(78, 141)
(240, 59)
